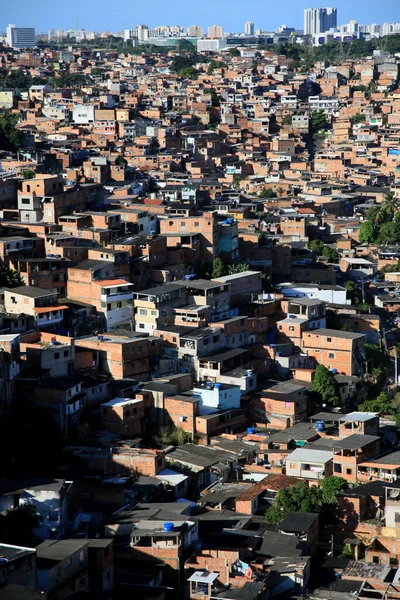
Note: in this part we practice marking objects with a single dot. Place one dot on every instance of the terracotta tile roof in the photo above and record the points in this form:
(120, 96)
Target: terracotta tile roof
(271, 482)
(45, 309)
(107, 282)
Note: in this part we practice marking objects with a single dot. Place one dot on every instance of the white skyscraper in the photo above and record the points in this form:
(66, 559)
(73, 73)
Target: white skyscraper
(249, 28)
(195, 31)
(21, 37)
(318, 20)
(215, 31)
(142, 33)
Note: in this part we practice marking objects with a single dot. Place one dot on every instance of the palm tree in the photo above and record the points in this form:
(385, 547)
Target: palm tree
(390, 204)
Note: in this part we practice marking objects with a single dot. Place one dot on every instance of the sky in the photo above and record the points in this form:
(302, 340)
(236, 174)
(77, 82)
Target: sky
(103, 15)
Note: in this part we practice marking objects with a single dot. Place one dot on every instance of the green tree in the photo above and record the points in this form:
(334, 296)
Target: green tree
(367, 233)
(267, 193)
(326, 386)
(381, 404)
(388, 233)
(287, 120)
(219, 268)
(236, 181)
(10, 278)
(238, 268)
(171, 435)
(299, 498)
(331, 487)
(214, 95)
(120, 160)
(10, 136)
(188, 73)
(330, 253)
(390, 204)
(29, 174)
(357, 118)
(316, 246)
(17, 525)
(318, 121)
(233, 52)
(215, 64)
(354, 292)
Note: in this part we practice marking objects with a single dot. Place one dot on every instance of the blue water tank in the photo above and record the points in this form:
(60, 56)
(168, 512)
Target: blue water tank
(100, 338)
(168, 526)
(250, 430)
(320, 425)
(218, 386)
(334, 371)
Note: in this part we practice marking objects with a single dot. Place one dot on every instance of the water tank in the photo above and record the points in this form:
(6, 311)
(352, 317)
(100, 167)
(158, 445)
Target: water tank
(250, 430)
(217, 386)
(100, 338)
(168, 526)
(153, 232)
(249, 372)
(334, 371)
(54, 342)
(320, 425)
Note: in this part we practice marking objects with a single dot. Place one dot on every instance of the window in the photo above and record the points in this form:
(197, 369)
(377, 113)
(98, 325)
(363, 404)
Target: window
(293, 465)
(82, 556)
(375, 559)
(349, 471)
(394, 562)
(143, 312)
(331, 355)
(159, 462)
(291, 328)
(183, 224)
(25, 201)
(196, 224)
(328, 339)
(56, 355)
(66, 352)
(337, 468)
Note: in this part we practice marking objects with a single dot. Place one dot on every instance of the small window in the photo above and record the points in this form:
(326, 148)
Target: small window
(349, 471)
(291, 328)
(331, 355)
(337, 468)
(375, 559)
(328, 339)
(66, 352)
(56, 355)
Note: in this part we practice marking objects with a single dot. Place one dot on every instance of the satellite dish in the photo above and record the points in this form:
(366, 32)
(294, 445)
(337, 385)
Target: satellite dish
(394, 493)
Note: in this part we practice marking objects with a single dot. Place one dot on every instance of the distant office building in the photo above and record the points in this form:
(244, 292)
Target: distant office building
(195, 31)
(211, 45)
(215, 32)
(249, 28)
(319, 20)
(21, 37)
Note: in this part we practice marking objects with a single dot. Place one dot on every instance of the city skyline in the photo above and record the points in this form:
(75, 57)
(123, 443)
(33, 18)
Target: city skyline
(75, 14)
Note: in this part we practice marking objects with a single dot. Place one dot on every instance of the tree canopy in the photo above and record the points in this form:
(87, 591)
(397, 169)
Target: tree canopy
(301, 498)
(10, 136)
(325, 385)
(10, 278)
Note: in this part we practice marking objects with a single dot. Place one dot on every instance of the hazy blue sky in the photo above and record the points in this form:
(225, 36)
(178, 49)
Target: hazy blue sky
(103, 15)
